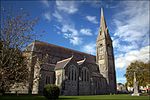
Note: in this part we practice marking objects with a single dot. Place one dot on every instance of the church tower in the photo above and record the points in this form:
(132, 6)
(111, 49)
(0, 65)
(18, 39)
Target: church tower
(105, 55)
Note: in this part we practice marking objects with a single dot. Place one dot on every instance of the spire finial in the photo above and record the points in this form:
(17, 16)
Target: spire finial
(102, 13)
(102, 19)
(103, 26)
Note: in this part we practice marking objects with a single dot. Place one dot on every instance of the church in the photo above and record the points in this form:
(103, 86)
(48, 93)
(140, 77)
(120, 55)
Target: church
(75, 72)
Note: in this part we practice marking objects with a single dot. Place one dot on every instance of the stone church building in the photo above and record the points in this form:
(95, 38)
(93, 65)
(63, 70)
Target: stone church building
(75, 72)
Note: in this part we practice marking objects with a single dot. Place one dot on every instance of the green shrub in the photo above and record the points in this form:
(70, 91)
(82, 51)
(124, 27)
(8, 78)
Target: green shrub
(51, 91)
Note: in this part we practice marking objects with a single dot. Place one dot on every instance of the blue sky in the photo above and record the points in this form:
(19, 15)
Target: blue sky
(75, 25)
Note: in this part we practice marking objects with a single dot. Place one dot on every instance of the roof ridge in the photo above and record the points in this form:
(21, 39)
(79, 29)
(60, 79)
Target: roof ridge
(61, 47)
(65, 59)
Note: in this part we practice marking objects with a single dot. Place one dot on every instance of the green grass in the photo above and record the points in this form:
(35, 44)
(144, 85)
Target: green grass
(94, 97)
(105, 97)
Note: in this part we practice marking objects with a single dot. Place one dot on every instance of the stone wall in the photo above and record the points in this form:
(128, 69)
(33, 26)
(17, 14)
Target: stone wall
(53, 54)
(47, 76)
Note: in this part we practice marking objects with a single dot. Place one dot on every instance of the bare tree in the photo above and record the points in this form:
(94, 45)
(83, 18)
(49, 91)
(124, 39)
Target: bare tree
(16, 32)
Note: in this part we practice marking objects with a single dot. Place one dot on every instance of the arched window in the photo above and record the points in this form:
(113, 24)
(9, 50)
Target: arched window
(48, 80)
(85, 74)
(72, 73)
(97, 84)
(69, 75)
(58, 79)
(82, 75)
(75, 74)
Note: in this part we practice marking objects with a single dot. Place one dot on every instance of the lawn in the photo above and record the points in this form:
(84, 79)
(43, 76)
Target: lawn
(95, 97)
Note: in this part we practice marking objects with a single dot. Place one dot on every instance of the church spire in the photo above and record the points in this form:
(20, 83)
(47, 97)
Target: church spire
(103, 27)
(102, 14)
(105, 56)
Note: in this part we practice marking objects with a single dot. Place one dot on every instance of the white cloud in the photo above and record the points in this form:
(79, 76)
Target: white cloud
(121, 80)
(124, 48)
(95, 3)
(67, 27)
(69, 7)
(47, 16)
(71, 29)
(123, 60)
(89, 48)
(92, 3)
(45, 2)
(131, 37)
(58, 16)
(92, 19)
(71, 33)
(86, 31)
(76, 40)
(120, 62)
(133, 22)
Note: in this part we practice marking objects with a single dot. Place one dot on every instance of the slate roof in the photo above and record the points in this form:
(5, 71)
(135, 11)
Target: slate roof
(61, 64)
(43, 47)
(48, 67)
